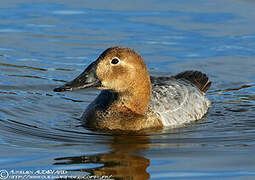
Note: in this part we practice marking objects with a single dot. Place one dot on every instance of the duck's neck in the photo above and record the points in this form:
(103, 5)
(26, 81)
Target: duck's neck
(137, 99)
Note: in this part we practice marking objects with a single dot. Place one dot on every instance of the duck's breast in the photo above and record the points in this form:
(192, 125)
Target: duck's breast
(177, 102)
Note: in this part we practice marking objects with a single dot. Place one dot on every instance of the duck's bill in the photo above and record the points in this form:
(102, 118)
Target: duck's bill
(87, 79)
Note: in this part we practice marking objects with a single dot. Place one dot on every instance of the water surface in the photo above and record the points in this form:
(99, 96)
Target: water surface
(44, 44)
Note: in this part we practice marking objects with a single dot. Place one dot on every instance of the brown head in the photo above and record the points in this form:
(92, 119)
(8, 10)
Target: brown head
(122, 71)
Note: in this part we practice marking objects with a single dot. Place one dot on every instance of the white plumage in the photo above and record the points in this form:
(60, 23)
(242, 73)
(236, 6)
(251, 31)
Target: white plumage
(177, 101)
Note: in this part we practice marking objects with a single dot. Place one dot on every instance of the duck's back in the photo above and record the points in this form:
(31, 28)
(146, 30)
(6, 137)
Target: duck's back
(180, 99)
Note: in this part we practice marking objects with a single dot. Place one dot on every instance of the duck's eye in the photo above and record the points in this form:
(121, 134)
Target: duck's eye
(115, 61)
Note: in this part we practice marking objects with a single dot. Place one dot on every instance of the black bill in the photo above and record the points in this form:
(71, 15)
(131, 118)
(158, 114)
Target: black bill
(87, 79)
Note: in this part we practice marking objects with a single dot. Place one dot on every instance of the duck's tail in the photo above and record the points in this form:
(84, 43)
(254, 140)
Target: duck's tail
(197, 78)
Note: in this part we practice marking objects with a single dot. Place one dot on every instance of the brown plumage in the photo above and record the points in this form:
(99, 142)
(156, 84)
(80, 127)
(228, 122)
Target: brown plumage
(199, 79)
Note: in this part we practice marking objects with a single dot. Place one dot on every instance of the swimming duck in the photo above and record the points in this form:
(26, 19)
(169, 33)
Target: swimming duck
(132, 100)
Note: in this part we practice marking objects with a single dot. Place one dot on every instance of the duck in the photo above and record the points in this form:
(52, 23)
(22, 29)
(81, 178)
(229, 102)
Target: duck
(132, 100)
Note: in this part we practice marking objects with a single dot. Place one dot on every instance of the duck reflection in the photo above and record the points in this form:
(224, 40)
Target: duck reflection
(123, 162)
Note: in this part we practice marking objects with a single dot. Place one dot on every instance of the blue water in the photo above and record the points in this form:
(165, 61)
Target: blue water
(46, 43)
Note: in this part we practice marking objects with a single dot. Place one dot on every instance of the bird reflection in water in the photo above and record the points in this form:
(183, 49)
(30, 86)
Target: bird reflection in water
(123, 162)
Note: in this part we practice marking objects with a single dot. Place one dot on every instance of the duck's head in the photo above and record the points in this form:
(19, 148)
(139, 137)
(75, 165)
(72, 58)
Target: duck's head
(117, 69)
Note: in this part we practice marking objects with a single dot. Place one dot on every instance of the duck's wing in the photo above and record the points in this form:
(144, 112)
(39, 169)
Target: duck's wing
(180, 99)
(197, 78)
